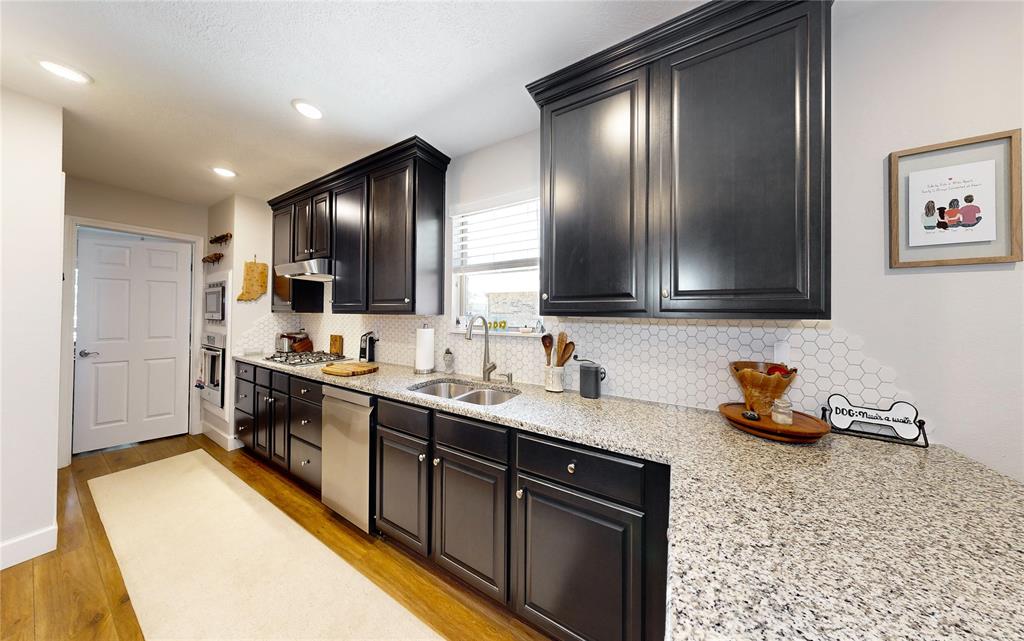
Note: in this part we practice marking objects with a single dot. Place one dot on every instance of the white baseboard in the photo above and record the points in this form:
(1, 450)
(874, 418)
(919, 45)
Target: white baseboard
(226, 441)
(27, 546)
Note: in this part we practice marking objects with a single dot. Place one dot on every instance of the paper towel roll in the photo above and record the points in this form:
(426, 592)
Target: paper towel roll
(424, 350)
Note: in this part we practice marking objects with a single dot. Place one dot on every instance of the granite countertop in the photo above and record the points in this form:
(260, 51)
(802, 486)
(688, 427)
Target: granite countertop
(844, 539)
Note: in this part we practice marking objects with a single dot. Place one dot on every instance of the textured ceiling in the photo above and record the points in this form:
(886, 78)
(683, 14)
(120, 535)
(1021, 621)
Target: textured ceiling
(182, 86)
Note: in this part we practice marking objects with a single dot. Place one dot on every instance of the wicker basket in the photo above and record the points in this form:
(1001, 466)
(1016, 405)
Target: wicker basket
(759, 389)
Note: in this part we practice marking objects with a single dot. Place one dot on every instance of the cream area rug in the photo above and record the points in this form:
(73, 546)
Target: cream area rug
(204, 556)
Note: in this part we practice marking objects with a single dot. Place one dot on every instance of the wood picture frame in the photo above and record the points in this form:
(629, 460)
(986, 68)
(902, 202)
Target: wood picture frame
(1005, 149)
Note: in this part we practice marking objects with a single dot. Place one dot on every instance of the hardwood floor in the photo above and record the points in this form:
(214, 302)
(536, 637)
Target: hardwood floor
(76, 592)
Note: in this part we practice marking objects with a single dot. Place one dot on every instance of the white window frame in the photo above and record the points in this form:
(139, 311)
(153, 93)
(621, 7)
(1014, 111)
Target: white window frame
(456, 291)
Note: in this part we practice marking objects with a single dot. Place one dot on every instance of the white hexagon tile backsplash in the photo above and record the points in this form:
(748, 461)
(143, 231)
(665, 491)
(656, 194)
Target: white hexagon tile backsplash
(682, 362)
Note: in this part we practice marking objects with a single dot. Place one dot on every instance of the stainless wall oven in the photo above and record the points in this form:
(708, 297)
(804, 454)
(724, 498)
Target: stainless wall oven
(213, 301)
(211, 375)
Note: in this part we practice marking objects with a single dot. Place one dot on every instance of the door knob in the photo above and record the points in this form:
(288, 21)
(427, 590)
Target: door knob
(422, 457)
(519, 494)
(85, 353)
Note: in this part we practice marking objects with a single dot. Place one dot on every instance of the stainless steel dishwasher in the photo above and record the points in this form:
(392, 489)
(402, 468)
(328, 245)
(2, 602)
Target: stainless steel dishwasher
(347, 418)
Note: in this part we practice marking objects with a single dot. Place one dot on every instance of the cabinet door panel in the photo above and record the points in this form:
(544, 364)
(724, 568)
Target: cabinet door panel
(350, 227)
(391, 238)
(301, 245)
(578, 564)
(245, 426)
(402, 489)
(470, 503)
(594, 200)
(264, 419)
(741, 155)
(281, 287)
(320, 227)
(279, 429)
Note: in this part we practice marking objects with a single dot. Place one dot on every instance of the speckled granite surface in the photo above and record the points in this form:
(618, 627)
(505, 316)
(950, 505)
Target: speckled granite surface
(846, 539)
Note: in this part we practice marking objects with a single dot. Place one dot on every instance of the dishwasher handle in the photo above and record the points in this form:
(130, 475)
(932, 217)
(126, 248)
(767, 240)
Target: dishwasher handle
(348, 396)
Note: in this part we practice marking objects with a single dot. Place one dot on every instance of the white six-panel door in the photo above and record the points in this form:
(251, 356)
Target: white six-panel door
(132, 339)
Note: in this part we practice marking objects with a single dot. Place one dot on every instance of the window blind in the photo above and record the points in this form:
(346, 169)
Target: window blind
(500, 238)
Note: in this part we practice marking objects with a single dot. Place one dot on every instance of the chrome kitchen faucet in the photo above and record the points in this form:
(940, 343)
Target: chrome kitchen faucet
(488, 365)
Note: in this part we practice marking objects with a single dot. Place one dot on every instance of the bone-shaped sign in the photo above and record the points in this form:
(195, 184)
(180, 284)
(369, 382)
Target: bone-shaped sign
(901, 416)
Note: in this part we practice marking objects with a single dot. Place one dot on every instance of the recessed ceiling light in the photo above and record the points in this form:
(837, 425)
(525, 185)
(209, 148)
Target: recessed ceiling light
(66, 72)
(307, 109)
(224, 172)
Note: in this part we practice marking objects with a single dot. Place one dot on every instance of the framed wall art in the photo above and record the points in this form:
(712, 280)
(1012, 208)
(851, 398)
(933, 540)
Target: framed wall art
(956, 203)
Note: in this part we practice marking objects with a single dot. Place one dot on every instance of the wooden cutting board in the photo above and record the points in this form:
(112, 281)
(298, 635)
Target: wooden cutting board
(349, 369)
(805, 428)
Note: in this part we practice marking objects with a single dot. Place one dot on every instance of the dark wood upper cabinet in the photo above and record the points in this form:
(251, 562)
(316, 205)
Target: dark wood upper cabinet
(301, 236)
(320, 226)
(381, 222)
(594, 199)
(350, 243)
(281, 287)
(685, 172)
(391, 238)
(579, 564)
(741, 144)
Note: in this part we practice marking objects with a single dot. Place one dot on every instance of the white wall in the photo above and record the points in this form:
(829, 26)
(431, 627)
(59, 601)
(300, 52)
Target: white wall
(953, 334)
(31, 229)
(88, 199)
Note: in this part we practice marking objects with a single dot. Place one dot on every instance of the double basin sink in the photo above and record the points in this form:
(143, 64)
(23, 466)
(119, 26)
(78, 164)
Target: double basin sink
(465, 392)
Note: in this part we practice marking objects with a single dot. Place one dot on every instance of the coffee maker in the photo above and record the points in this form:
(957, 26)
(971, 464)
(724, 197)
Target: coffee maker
(367, 343)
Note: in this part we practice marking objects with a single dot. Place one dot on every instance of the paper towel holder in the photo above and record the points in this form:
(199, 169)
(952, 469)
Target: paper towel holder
(429, 370)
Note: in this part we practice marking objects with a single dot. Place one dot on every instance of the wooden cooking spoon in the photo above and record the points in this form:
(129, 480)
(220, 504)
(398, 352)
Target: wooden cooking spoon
(548, 342)
(566, 354)
(563, 338)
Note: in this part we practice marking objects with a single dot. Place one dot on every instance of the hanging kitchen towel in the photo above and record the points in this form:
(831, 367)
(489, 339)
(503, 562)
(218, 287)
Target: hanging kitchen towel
(254, 281)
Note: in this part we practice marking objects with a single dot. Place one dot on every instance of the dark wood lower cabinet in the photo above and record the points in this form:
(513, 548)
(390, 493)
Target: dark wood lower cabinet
(279, 431)
(403, 489)
(264, 421)
(470, 520)
(578, 564)
(245, 428)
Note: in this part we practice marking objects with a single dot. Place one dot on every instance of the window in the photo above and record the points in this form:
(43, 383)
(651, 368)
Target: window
(495, 266)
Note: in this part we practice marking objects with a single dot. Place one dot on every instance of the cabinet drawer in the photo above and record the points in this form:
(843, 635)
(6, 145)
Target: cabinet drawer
(306, 421)
(245, 370)
(616, 478)
(245, 396)
(307, 390)
(279, 382)
(263, 376)
(406, 418)
(489, 441)
(245, 427)
(304, 462)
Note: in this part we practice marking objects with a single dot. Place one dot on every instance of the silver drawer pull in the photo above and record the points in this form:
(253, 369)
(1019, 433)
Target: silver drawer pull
(422, 457)
(303, 390)
(437, 462)
(244, 396)
(304, 421)
(241, 429)
(519, 494)
(571, 468)
(407, 300)
(304, 463)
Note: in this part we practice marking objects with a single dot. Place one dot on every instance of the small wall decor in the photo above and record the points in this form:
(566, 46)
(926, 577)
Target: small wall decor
(254, 280)
(213, 259)
(956, 203)
(221, 239)
(898, 424)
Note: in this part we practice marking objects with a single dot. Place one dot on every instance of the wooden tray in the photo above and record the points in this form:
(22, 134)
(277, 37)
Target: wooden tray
(349, 369)
(805, 428)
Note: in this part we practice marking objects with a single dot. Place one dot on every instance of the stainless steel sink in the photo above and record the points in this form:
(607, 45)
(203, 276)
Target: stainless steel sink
(444, 390)
(466, 392)
(486, 396)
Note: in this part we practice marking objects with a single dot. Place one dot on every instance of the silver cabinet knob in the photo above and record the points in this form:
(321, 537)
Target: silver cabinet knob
(422, 457)
(243, 396)
(544, 296)
(519, 494)
(437, 462)
(406, 300)
(571, 468)
(304, 421)
(304, 463)
(303, 390)
(84, 353)
(664, 293)
(241, 429)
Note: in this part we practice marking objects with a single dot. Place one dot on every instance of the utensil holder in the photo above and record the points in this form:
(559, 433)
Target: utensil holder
(553, 379)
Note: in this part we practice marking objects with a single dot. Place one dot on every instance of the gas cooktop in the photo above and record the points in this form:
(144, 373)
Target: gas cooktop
(300, 359)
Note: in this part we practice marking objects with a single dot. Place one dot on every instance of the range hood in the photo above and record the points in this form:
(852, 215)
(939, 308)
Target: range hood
(318, 270)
